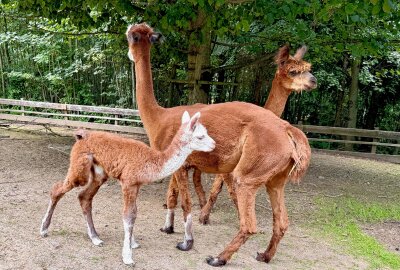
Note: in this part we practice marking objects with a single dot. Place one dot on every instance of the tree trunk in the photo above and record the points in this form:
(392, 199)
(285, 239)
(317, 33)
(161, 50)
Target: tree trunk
(198, 59)
(171, 89)
(341, 96)
(353, 96)
(258, 84)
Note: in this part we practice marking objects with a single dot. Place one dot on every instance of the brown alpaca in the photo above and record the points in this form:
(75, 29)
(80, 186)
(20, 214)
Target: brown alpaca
(96, 156)
(252, 143)
(292, 75)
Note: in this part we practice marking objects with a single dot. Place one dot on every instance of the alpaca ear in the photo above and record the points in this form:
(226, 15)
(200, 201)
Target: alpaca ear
(300, 53)
(185, 117)
(80, 134)
(282, 55)
(156, 38)
(193, 121)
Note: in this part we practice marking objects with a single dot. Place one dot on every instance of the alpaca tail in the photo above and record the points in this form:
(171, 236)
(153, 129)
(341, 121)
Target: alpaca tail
(301, 153)
(80, 134)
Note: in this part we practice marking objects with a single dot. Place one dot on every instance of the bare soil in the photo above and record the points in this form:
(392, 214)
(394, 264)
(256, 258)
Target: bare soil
(30, 163)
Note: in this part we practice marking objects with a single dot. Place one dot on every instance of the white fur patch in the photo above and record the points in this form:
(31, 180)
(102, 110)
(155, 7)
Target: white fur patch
(130, 56)
(188, 228)
(169, 218)
(98, 170)
(44, 231)
(174, 163)
(126, 250)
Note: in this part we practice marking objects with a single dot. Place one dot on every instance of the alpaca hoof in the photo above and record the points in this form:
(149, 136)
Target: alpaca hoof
(204, 220)
(128, 261)
(97, 242)
(168, 230)
(44, 233)
(261, 257)
(185, 246)
(135, 245)
(215, 261)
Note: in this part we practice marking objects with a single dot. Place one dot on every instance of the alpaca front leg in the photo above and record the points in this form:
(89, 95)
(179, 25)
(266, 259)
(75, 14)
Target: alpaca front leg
(187, 243)
(172, 200)
(206, 209)
(183, 183)
(129, 216)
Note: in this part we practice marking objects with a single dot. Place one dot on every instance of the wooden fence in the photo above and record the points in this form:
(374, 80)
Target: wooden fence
(128, 121)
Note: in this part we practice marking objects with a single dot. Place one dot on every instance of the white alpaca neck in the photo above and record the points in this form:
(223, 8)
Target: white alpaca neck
(174, 161)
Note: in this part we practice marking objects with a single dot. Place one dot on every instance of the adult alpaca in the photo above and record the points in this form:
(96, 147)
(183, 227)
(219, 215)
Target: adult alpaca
(96, 156)
(292, 75)
(252, 143)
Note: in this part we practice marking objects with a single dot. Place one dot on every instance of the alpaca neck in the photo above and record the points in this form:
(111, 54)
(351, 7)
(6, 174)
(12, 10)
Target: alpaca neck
(277, 97)
(173, 157)
(148, 107)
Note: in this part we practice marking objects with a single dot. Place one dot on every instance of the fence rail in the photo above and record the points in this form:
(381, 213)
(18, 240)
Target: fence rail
(122, 120)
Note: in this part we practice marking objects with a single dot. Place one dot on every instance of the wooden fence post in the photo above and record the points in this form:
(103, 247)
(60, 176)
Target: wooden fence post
(22, 108)
(65, 111)
(373, 147)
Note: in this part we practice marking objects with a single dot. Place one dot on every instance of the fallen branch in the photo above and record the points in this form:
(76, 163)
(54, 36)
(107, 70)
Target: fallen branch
(333, 196)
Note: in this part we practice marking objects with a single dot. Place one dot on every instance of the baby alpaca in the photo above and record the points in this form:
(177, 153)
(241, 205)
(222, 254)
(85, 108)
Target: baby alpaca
(96, 156)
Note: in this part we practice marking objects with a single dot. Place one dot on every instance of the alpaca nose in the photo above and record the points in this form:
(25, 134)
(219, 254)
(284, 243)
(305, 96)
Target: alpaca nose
(313, 81)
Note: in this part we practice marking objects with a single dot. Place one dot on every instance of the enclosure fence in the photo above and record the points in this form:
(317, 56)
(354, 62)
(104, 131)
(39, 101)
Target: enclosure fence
(128, 121)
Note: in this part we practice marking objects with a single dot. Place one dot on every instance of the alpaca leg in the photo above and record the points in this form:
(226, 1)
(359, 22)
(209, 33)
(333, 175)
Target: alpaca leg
(215, 190)
(129, 215)
(228, 180)
(248, 225)
(57, 192)
(85, 199)
(183, 183)
(198, 187)
(280, 219)
(172, 200)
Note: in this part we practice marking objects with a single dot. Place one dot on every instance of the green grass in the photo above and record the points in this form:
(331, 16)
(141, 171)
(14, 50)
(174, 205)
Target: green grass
(340, 218)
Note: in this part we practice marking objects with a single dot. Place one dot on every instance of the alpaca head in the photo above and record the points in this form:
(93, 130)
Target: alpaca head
(140, 37)
(293, 71)
(194, 135)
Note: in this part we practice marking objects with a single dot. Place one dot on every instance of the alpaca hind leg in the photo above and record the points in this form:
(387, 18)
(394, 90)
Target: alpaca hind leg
(86, 199)
(57, 192)
(172, 201)
(246, 195)
(129, 216)
(206, 209)
(198, 187)
(183, 184)
(280, 219)
(230, 185)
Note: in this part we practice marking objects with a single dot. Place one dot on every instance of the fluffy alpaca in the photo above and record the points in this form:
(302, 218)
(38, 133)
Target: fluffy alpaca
(258, 148)
(96, 156)
(292, 75)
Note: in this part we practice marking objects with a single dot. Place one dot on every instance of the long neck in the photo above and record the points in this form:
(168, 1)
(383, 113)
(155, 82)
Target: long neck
(172, 158)
(277, 97)
(148, 108)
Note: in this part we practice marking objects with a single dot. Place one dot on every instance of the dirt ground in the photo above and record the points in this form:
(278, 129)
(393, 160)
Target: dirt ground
(31, 163)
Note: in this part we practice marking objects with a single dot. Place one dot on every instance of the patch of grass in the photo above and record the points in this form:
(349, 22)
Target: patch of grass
(340, 217)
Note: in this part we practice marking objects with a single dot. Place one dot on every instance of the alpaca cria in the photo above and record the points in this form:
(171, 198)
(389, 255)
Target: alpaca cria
(96, 156)
(252, 143)
(292, 75)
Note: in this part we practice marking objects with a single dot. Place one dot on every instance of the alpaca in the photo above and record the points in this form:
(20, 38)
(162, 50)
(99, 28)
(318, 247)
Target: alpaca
(96, 156)
(292, 75)
(252, 143)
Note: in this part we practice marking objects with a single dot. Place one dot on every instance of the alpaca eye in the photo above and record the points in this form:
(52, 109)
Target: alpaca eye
(201, 137)
(293, 73)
